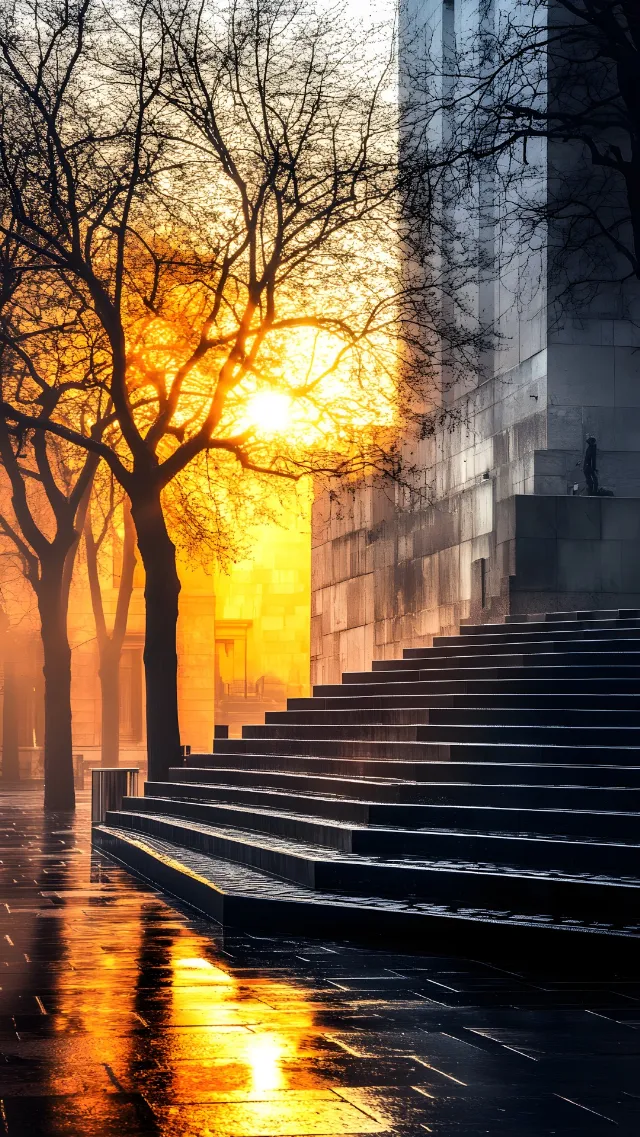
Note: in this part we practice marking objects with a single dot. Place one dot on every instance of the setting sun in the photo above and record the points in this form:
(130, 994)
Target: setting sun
(270, 411)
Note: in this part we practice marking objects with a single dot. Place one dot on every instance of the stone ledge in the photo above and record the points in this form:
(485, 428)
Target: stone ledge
(242, 898)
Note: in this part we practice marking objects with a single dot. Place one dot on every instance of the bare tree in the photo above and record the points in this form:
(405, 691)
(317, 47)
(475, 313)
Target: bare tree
(10, 741)
(47, 478)
(217, 187)
(46, 543)
(110, 642)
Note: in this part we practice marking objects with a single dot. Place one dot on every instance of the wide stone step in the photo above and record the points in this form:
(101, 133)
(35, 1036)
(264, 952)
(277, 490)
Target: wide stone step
(283, 793)
(345, 796)
(628, 617)
(475, 818)
(553, 851)
(567, 648)
(563, 894)
(243, 897)
(478, 684)
(579, 614)
(530, 663)
(332, 833)
(374, 755)
(457, 732)
(497, 765)
(560, 635)
(552, 701)
(472, 716)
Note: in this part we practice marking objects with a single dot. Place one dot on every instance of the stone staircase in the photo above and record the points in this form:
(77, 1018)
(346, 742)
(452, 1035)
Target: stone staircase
(481, 795)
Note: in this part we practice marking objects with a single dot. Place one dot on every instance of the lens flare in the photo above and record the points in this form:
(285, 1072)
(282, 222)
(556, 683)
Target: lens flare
(270, 411)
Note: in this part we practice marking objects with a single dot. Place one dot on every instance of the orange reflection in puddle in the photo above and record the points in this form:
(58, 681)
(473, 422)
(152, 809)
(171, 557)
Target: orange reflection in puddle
(228, 1021)
(185, 968)
(153, 1020)
(265, 1054)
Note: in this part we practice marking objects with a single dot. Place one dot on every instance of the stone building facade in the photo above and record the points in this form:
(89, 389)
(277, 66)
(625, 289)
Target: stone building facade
(498, 527)
(243, 648)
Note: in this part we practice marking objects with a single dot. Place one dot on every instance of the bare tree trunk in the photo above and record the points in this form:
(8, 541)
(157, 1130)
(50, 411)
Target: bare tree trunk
(110, 645)
(10, 747)
(70, 558)
(58, 754)
(162, 588)
(110, 695)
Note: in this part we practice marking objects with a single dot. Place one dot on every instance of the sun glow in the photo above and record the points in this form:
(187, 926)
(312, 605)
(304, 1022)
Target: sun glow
(270, 412)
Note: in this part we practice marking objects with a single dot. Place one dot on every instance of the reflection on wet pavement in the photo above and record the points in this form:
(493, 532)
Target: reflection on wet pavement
(122, 1016)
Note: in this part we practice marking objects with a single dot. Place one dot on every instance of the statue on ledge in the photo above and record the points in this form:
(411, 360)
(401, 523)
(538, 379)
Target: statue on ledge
(589, 465)
(590, 470)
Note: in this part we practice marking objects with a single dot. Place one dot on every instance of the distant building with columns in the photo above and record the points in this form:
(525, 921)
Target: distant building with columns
(243, 648)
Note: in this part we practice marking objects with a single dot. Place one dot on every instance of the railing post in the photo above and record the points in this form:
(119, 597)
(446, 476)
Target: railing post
(109, 787)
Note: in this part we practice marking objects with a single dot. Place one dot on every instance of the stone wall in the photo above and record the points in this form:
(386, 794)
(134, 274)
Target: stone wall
(398, 580)
(571, 552)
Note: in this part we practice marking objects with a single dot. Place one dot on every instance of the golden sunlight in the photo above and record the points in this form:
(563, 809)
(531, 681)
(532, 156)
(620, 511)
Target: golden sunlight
(197, 964)
(264, 1055)
(270, 411)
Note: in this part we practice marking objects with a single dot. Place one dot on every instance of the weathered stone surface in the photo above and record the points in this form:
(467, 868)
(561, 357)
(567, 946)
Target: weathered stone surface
(562, 368)
(533, 552)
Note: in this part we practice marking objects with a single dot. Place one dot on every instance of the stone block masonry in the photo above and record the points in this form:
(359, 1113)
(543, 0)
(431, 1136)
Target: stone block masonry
(396, 583)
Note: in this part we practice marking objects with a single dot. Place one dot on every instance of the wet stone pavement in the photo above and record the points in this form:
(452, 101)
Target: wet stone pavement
(122, 1015)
